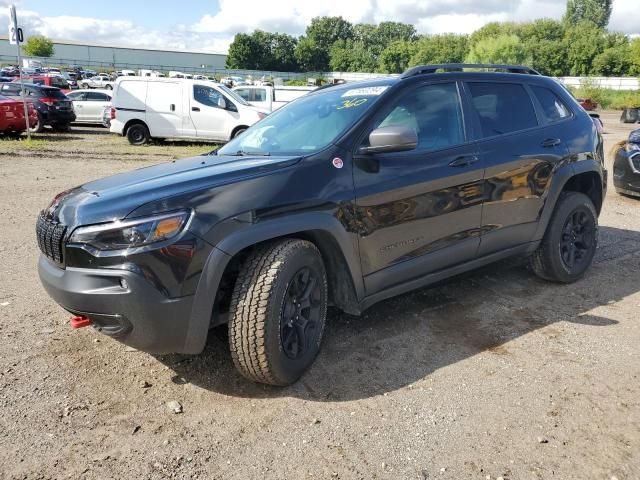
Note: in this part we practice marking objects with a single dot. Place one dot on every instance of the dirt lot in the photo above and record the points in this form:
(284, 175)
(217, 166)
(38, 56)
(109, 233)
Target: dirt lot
(491, 374)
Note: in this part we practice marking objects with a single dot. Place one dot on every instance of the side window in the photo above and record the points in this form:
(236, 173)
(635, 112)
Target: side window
(96, 97)
(502, 107)
(260, 95)
(434, 112)
(59, 82)
(206, 95)
(244, 93)
(553, 108)
(77, 96)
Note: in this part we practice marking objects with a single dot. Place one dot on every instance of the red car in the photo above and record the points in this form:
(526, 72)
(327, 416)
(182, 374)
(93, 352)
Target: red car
(12, 116)
(588, 104)
(47, 81)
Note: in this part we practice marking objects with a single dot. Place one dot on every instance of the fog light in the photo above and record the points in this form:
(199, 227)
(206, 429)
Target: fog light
(124, 284)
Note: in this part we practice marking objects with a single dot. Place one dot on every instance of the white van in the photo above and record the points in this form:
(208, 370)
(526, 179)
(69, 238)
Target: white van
(271, 98)
(147, 107)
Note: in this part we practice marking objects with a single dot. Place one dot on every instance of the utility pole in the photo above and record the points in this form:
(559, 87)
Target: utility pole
(17, 37)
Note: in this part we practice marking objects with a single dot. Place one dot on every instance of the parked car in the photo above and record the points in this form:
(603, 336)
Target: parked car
(9, 71)
(588, 104)
(271, 98)
(56, 81)
(72, 79)
(12, 116)
(626, 166)
(107, 113)
(347, 196)
(89, 105)
(99, 81)
(6, 79)
(162, 108)
(52, 105)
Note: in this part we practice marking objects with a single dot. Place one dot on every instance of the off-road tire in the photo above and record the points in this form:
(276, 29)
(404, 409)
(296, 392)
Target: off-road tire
(258, 306)
(547, 261)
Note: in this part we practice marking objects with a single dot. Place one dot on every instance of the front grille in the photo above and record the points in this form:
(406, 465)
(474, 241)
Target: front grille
(50, 236)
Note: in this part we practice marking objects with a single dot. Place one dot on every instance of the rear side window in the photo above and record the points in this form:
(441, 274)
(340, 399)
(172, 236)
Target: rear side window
(97, 97)
(502, 108)
(553, 108)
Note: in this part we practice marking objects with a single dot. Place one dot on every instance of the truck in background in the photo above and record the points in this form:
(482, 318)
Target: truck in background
(271, 98)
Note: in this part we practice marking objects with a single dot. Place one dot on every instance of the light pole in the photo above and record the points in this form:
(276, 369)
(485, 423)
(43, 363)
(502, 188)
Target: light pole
(16, 36)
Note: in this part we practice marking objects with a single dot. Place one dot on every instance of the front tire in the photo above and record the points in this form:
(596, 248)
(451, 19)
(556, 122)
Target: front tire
(138, 134)
(278, 312)
(239, 132)
(570, 242)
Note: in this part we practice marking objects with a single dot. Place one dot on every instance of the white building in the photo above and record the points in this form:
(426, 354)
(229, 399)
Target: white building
(68, 52)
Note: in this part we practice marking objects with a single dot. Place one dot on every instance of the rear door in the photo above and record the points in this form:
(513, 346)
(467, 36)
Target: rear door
(94, 106)
(519, 153)
(165, 109)
(419, 211)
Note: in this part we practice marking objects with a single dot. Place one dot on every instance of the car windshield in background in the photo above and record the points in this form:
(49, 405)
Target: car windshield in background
(306, 125)
(233, 94)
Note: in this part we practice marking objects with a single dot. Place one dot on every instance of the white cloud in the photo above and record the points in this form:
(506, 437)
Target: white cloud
(214, 32)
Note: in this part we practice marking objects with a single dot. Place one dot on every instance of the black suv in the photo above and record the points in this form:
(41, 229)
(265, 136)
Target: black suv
(345, 197)
(53, 106)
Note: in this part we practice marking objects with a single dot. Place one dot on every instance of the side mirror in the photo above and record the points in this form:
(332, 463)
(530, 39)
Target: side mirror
(391, 139)
(222, 103)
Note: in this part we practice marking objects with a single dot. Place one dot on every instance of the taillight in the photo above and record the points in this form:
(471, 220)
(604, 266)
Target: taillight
(113, 113)
(49, 101)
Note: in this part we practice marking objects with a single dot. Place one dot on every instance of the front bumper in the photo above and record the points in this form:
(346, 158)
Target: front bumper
(123, 305)
(626, 177)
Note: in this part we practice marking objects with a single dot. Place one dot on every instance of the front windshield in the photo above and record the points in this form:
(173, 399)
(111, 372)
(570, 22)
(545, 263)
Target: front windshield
(233, 94)
(306, 125)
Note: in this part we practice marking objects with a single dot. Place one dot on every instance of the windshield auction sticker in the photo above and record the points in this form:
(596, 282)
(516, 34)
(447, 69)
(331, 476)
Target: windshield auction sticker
(365, 91)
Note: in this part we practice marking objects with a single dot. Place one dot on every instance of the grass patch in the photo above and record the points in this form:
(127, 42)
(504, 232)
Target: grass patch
(608, 98)
(26, 143)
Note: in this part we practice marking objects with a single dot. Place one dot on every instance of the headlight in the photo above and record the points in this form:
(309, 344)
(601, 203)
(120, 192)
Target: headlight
(131, 233)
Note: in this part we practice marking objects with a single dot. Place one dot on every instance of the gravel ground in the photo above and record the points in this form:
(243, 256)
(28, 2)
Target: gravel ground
(491, 374)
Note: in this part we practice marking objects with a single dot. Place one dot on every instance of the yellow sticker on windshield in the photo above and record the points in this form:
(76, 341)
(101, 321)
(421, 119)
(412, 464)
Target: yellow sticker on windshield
(352, 103)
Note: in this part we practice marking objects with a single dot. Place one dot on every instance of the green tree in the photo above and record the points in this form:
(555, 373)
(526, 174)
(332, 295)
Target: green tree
(549, 57)
(387, 32)
(502, 49)
(282, 49)
(263, 51)
(38, 46)
(351, 56)
(613, 62)
(583, 43)
(396, 58)
(322, 33)
(243, 52)
(493, 30)
(444, 48)
(309, 56)
(634, 57)
(596, 11)
(540, 30)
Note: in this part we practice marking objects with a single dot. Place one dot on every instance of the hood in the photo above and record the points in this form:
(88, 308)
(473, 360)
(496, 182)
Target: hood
(113, 198)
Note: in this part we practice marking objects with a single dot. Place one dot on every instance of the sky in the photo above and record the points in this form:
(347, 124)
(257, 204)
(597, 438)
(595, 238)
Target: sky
(211, 25)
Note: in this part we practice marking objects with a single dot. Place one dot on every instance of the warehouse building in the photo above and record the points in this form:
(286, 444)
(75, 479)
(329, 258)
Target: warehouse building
(67, 52)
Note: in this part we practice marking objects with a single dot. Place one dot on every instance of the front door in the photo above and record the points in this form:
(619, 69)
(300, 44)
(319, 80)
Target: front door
(419, 211)
(209, 119)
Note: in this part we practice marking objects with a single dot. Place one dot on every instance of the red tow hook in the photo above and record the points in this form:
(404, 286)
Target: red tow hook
(80, 321)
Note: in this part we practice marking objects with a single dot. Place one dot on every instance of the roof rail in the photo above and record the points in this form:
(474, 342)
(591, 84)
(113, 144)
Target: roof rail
(458, 67)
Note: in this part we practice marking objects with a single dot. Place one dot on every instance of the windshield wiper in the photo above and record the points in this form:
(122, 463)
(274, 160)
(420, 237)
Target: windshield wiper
(244, 153)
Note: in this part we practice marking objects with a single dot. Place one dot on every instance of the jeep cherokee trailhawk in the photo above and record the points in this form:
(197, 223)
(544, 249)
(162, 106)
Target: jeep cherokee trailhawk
(345, 197)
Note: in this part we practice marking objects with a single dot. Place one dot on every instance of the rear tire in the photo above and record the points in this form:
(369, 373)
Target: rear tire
(39, 127)
(278, 312)
(138, 134)
(570, 242)
(109, 87)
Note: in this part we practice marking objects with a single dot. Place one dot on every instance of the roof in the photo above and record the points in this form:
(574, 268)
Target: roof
(125, 47)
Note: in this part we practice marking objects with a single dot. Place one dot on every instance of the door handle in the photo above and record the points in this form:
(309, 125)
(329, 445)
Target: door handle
(551, 142)
(195, 109)
(464, 161)
(172, 107)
